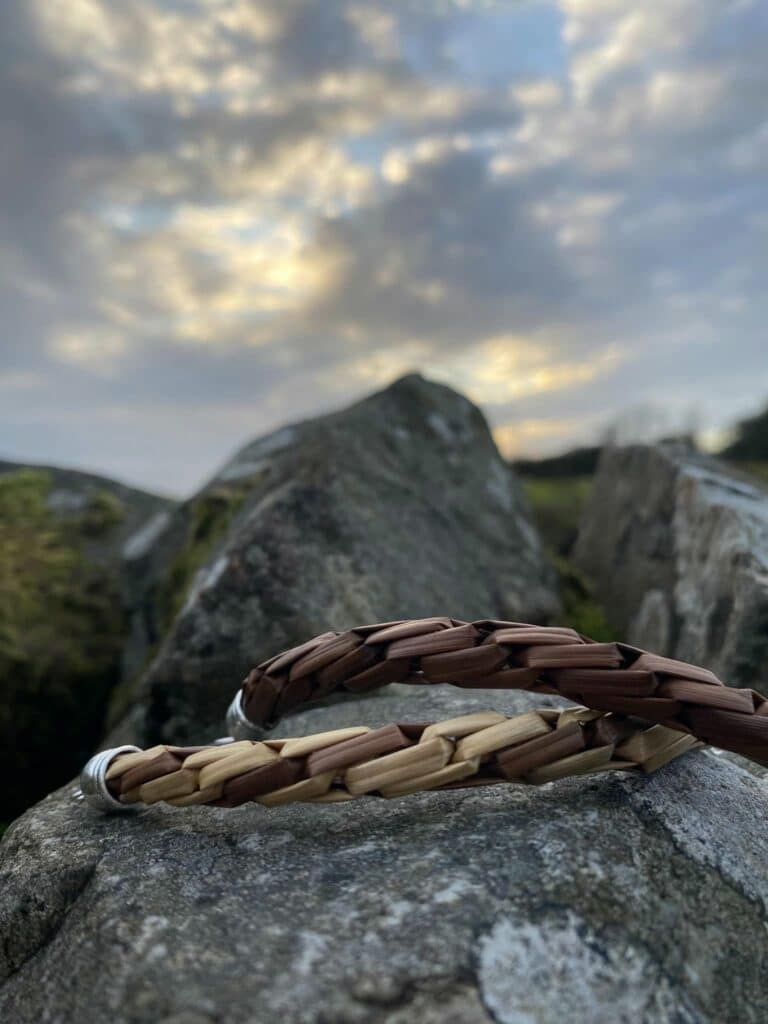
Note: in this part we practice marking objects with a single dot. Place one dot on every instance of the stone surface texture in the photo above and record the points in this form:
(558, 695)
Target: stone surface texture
(610, 899)
(397, 507)
(677, 548)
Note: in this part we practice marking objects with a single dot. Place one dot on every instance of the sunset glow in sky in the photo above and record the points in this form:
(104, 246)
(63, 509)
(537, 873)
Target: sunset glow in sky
(221, 215)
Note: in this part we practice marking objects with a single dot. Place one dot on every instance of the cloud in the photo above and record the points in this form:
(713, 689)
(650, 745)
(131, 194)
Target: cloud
(251, 210)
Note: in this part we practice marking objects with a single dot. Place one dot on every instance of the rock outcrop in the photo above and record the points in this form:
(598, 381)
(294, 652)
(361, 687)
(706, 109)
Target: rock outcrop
(398, 506)
(63, 618)
(677, 548)
(601, 899)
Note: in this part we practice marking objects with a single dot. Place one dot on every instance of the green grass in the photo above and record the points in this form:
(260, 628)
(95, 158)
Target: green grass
(209, 516)
(102, 513)
(45, 584)
(581, 610)
(557, 505)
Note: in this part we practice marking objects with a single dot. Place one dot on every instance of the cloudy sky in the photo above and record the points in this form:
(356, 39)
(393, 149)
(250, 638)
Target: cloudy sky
(219, 215)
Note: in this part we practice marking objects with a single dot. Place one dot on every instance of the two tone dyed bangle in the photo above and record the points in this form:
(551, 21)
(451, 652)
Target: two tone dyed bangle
(640, 711)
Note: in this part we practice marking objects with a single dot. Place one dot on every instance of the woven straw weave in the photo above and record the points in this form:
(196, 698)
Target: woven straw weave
(484, 748)
(642, 710)
(612, 677)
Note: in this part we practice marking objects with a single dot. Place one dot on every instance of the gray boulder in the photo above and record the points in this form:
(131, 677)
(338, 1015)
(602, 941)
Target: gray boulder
(677, 548)
(398, 506)
(608, 899)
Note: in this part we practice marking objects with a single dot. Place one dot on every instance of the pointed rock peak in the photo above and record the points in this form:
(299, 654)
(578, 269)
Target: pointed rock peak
(414, 406)
(393, 507)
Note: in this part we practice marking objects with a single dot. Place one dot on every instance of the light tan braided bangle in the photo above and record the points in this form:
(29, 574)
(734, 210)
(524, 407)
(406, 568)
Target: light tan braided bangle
(484, 748)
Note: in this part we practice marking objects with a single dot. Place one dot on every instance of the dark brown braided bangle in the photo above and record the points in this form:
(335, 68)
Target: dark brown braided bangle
(611, 677)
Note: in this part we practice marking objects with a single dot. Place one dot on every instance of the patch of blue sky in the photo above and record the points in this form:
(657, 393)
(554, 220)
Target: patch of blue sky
(136, 218)
(370, 149)
(187, 6)
(508, 42)
(257, 230)
(736, 25)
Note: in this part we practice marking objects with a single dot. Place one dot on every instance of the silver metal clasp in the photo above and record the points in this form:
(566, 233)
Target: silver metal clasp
(93, 781)
(239, 726)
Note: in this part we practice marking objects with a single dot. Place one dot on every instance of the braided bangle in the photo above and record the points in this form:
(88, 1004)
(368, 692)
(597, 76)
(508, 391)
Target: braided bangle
(613, 677)
(642, 710)
(480, 749)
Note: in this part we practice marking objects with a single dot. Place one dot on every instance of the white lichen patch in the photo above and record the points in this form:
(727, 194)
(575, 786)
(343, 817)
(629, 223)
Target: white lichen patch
(454, 891)
(241, 470)
(140, 542)
(313, 949)
(557, 969)
(204, 579)
(499, 485)
(252, 459)
(442, 427)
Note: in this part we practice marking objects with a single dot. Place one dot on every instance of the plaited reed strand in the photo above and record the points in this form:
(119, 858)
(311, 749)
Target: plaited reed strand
(484, 748)
(613, 677)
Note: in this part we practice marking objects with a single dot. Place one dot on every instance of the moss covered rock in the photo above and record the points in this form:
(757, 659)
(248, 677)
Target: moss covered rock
(62, 621)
